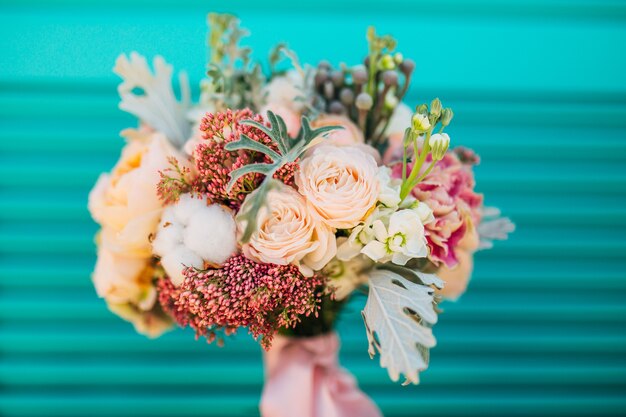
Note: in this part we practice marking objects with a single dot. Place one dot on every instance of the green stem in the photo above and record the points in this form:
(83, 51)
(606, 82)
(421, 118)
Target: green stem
(408, 185)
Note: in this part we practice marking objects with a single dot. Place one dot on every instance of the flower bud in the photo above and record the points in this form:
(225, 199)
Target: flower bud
(407, 66)
(391, 101)
(439, 145)
(337, 78)
(435, 108)
(364, 101)
(346, 96)
(446, 116)
(398, 58)
(390, 77)
(420, 123)
(386, 62)
(336, 108)
(422, 109)
(359, 74)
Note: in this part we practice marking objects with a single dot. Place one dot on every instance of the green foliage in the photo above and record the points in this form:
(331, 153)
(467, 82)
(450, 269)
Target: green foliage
(236, 83)
(289, 150)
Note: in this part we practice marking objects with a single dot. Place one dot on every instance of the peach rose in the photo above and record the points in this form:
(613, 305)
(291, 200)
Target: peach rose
(289, 233)
(125, 202)
(151, 323)
(339, 183)
(289, 116)
(122, 279)
(349, 135)
(457, 278)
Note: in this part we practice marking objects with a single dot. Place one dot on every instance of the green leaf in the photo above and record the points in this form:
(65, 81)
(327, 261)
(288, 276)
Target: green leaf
(399, 315)
(265, 169)
(245, 142)
(289, 150)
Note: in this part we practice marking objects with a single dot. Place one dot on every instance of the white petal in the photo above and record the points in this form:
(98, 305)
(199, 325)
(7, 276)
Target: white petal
(380, 231)
(375, 250)
(400, 258)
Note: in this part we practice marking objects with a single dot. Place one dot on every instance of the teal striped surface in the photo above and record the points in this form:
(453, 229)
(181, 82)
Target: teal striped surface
(539, 90)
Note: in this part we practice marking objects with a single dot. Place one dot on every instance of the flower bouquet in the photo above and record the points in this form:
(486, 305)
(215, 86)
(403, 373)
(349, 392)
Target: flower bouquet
(282, 191)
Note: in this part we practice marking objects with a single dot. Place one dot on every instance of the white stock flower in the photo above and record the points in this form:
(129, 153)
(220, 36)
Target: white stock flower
(403, 239)
(390, 235)
(192, 233)
(346, 276)
(439, 144)
(389, 187)
(420, 122)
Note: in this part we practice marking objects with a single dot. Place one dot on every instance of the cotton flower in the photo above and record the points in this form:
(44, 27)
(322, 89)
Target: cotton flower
(289, 232)
(192, 233)
(340, 184)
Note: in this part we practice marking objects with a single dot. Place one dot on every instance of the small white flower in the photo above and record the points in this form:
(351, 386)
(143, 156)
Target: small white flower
(439, 144)
(191, 233)
(402, 240)
(420, 122)
(389, 187)
(346, 276)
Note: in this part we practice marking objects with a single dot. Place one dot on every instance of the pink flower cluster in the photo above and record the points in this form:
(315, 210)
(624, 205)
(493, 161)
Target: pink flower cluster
(214, 163)
(242, 293)
(449, 191)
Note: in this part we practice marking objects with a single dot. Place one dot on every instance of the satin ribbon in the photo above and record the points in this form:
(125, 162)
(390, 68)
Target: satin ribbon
(303, 379)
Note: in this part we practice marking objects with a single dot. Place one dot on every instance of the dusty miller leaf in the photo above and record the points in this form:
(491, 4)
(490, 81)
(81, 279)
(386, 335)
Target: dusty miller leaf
(493, 227)
(150, 97)
(398, 317)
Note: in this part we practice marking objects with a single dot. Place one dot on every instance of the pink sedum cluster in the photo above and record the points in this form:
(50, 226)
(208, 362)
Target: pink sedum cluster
(449, 191)
(214, 163)
(242, 293)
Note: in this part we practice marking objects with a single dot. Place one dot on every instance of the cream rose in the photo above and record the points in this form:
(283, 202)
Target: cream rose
(289, 233)
(340, 184)
(122, 279)
(349, 135)
(125, 202)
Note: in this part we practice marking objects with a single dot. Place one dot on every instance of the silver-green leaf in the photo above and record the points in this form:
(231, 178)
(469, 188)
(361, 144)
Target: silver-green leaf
(398, 318)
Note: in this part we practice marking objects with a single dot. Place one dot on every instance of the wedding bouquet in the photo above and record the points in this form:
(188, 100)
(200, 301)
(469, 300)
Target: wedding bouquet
(267, 203)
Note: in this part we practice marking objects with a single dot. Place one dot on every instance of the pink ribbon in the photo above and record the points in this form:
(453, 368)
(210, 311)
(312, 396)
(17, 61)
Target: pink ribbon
(303, 379)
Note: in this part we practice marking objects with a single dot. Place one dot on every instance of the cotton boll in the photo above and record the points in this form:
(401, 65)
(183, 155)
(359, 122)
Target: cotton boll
(169, 236)
(187, 206)
(211, 233)
(175, 262)
(191, 233)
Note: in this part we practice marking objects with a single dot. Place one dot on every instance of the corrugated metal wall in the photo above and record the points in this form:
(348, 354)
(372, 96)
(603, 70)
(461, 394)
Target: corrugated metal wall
(539, 90)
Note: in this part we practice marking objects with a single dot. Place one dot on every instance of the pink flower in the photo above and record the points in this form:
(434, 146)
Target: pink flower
(457, 277)
(288, 114)
(449, 191)
(214, 163)
(340, 184)
(242, 293)
(288, 232)
(349, 135)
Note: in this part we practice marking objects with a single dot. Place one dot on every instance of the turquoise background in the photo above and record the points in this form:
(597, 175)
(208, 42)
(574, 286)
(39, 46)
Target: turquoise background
(539, 90)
